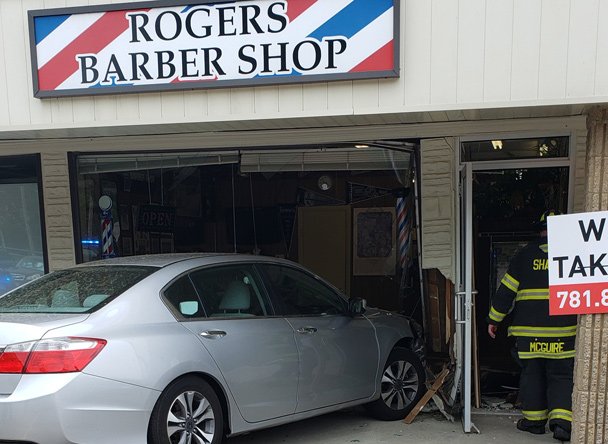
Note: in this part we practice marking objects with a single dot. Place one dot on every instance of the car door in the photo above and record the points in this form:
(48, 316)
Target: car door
(338, 352)
(254, 350)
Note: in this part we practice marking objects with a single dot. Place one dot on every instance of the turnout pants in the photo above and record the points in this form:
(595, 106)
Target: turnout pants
(546, 391)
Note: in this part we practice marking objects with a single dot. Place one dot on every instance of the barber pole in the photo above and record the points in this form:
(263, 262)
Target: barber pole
(107, 239)
(404, 206)
(107, 225)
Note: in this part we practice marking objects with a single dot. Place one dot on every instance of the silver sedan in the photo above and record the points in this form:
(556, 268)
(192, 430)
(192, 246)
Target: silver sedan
(174, 349)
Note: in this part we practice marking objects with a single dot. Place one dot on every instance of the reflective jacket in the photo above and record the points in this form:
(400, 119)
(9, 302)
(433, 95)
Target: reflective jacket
(524, 290)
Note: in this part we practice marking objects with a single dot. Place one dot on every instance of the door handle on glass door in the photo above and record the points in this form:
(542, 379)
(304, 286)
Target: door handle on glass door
(306, 330)
(213, 334)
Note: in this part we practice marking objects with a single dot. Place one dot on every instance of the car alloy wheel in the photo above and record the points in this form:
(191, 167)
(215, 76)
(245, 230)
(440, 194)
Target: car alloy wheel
(191, 419)
(188, 411)
(399, 385)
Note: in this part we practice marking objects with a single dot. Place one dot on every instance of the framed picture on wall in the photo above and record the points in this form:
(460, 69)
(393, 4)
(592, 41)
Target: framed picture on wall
(374, 234)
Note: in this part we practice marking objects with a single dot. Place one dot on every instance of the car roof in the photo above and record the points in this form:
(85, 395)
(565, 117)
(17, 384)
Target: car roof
(163, 260)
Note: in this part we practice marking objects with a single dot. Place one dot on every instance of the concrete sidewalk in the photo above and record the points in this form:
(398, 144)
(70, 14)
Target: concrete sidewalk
(354, 426)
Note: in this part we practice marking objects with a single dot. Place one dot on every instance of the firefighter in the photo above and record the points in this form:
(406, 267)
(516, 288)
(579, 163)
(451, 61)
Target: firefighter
(545, 344)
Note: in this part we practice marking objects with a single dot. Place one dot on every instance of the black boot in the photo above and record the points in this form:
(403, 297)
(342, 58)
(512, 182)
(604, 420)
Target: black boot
(530, 426)
(561, 434)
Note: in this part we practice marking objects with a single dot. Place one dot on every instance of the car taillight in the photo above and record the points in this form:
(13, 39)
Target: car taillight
(60, 355)
(13, 358)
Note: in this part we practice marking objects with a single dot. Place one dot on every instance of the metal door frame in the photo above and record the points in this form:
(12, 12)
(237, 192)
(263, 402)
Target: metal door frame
(465, 291)
(464, 228)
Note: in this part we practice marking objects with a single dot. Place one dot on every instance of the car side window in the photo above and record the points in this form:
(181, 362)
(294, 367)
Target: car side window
(301, 294)
(232, 291)
(182, 299)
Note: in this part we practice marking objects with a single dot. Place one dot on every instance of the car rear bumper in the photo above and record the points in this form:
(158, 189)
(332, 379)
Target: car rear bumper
(75, 408)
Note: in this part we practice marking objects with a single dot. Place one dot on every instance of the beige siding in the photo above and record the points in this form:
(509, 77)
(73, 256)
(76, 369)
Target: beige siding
(57, 210)
(470, 55)
(438, 205)
(580, 170)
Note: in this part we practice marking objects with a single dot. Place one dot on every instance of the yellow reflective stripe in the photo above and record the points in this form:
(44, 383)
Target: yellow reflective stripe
(533, 294)
(544, 248)
(532, 355)
(560, 414)
(534, 415)
(510, 282)
(545, 332)
(495, 315)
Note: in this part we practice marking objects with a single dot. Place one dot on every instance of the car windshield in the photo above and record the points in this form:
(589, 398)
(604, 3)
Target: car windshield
(78, 290)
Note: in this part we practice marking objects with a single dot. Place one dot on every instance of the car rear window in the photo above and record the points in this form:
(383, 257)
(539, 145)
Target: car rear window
(78, 290)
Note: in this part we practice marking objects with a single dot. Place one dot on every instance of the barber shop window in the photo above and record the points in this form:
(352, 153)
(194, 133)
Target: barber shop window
(515, 149)
(21, 241)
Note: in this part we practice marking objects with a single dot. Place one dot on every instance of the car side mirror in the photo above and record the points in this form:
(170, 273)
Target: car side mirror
(356, 306)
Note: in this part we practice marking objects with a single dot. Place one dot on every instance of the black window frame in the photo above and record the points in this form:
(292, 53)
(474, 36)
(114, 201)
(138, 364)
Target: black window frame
(37, 163)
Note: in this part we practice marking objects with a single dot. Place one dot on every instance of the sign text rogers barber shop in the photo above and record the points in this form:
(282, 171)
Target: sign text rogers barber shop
(578, 263)
(146, 46)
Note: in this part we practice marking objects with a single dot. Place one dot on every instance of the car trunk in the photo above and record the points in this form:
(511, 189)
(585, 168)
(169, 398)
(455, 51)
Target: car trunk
(25, 327)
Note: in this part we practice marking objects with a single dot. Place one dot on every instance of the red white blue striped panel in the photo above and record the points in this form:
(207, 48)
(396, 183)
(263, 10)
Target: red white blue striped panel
(87, 50)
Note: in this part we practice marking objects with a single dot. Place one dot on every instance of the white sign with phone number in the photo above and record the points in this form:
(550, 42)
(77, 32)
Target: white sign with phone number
(578, 263)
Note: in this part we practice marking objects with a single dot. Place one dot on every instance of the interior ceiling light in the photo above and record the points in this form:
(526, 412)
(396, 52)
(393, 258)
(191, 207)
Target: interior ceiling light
(324, 183)
(497, 145)
(361, 146)
(543, 150)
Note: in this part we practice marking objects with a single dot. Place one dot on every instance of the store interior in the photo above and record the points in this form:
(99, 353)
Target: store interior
(334, 209)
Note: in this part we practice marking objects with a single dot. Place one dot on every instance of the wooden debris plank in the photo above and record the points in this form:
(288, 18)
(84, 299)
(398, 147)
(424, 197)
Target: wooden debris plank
(427, 396)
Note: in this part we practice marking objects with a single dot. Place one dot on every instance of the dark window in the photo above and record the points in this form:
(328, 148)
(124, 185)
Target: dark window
(231, 291)
(302, 294)
(21, 241)
(515, 149)
(183, 300)
(76, 290)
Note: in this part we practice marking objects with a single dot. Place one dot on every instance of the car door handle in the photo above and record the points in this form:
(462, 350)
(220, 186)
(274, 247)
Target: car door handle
(213, 334)
(306, 330)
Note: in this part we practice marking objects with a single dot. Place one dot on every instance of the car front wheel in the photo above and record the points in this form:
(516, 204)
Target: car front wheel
(188, 411)
(402, 386)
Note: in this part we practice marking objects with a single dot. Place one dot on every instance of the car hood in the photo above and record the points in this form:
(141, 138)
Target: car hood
(372, 312)
(23, 327)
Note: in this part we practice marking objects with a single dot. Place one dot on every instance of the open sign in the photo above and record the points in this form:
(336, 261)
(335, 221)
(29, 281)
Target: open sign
(156, 218)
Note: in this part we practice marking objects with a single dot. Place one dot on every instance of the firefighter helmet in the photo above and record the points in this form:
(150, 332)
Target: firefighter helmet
(542, 221)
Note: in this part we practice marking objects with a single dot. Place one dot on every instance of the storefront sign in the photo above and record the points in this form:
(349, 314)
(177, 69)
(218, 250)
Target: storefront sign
(185, 45)
(578, 263)
(156, 219)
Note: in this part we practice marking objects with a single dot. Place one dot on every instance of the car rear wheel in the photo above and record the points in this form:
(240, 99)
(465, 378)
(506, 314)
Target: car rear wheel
(402, 386)
(188, 411)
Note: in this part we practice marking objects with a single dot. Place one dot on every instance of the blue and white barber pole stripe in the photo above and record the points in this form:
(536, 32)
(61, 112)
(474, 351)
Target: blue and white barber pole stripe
(404, 224)
(107, 237)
